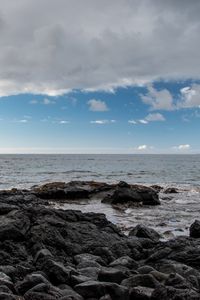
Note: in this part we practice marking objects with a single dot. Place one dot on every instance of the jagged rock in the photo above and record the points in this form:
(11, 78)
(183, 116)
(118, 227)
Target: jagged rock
(195, 229)
(142, 231)
(132, 194)
(111, 275)
(61, 190)
(91, 272)
(141, 293)
(6, 280)
(125, 261)
(56, 272)
(171, 190)
(13, 226)
(171, 293)
(145, 269)
(41, 254)
(7, 296)
(145, 280)
(29, 282)
(86, 257)
(93, 289)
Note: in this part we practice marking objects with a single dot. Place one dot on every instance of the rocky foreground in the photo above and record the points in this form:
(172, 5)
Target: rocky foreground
(48, 254)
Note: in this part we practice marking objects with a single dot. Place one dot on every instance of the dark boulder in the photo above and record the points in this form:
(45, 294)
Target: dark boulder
(95, 289)
(195, 229)
(125, 261)
(142, 231)
(140, 293)
(132, 194)
(111, 275)
(171, 293)
(145, 280)
(170, 190)
(14, 226)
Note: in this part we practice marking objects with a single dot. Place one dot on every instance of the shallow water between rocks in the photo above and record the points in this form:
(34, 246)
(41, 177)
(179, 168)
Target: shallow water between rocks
(172, 218)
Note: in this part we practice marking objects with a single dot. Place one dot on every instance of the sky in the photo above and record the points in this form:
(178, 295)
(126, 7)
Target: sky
(100, 76)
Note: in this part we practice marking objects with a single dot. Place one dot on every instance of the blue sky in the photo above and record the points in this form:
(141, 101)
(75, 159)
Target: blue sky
(124, 78)
(102, 122)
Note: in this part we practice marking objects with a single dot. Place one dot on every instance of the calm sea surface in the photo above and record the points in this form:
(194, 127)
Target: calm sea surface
(28, 170)
(174, 215)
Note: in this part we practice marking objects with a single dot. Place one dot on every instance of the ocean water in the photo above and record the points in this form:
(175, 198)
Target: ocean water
(27, 170)
(173, 217)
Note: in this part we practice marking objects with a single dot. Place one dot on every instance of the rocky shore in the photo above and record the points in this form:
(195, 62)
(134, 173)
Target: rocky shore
(48, 254)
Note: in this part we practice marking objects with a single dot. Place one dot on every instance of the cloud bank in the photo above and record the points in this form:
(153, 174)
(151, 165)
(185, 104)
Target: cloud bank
(51, 47)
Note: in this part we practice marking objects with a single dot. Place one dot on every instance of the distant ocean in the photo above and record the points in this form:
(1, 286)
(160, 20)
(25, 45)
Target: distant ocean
(27, 170)
(172, 217)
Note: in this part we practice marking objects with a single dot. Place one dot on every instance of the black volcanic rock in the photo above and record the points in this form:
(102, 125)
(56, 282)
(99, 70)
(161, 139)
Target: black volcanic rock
(50, 254)
(125, 193)
(195, 229)
(142, 231)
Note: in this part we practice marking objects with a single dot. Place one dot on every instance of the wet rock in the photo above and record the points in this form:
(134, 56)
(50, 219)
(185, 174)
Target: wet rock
(77, 279)
(14, 226)
(171, 293)
(86, 257)
(171, 190)
(6, 280)
(157, 188)
(145, 280)
(142, 231)
(141, 293)
(145, 269)
(161, 277)
(195, 229)
(111, 275)
(41, 254)
(8, 270)
(125, 261)
(7, 296)
(160, 254)
(56, 272)
(93, 289)
(71, 295)
(61, 190)
(43, 291)
(132, 194)
(176, 280)
(88, 264)
(29, 282)
(90, 272)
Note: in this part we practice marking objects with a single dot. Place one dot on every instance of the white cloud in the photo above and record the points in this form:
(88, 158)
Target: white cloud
(183, 147)
(155, 117)
(47, 101)
(158, 99)
(22, 121)
(53, 54)
(64, 122)
(143, 121)
(190, 96)
(142, 147)
(97, 105)
(102, 122)
(132, 122)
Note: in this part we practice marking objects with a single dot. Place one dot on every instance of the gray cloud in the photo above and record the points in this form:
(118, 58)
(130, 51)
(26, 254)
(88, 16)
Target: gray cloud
(51, 47)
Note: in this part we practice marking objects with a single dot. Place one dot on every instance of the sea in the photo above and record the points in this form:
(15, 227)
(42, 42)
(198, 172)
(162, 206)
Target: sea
(174, 215)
